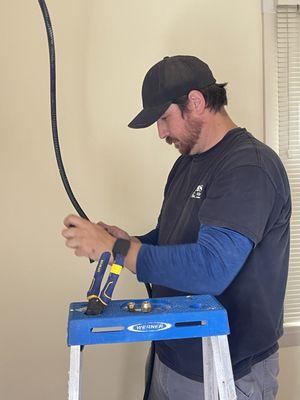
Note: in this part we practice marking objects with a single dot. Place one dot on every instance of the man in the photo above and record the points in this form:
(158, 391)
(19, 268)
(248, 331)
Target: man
(223, 230)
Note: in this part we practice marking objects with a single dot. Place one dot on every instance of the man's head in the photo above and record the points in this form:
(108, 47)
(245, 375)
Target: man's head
(175, 92)
(171, 79)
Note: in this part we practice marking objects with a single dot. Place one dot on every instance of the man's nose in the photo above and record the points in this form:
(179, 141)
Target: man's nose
(162, 131)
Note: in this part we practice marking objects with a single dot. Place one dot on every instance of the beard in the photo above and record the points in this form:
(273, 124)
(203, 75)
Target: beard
(190, 138)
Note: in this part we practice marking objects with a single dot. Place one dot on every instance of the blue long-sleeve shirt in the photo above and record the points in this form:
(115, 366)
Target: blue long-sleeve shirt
(205, 267)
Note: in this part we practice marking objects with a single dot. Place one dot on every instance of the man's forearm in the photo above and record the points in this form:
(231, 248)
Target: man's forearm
(134, 239)
(131, 258)
(205, 267)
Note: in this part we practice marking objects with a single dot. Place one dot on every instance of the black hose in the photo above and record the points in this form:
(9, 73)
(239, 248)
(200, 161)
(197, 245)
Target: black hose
(53, 110)
(60, 164)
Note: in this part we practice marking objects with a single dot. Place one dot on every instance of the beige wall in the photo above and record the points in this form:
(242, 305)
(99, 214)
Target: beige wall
(289, 383)
(103, 51)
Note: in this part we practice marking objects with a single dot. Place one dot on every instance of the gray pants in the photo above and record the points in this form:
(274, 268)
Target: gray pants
(259, 384)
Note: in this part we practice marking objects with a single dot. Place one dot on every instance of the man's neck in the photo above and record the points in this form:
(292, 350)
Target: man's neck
(214, 128)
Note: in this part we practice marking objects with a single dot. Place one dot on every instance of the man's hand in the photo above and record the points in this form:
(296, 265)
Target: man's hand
(115, 231)
(86, 238)
(118, 232)
(91, 240)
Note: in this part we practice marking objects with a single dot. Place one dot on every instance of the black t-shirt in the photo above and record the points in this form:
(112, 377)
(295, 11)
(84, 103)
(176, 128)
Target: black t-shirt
(239, 184)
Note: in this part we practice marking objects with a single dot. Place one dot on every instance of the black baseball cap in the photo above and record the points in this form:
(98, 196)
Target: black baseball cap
(167, 80)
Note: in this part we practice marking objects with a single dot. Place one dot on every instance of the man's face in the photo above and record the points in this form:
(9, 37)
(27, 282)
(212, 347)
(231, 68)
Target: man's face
(182, 131)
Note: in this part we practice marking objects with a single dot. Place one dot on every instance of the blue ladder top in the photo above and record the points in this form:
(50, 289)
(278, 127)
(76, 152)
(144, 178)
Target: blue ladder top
(170, 318)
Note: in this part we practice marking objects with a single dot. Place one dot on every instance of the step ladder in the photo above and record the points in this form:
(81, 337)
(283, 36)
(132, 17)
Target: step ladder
(169, 318)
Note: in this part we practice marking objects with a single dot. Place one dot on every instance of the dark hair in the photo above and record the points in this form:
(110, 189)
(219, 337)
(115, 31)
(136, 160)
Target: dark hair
(214, 95)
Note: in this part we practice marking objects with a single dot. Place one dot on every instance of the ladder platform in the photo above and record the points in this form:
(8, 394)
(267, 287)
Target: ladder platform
(170, 318)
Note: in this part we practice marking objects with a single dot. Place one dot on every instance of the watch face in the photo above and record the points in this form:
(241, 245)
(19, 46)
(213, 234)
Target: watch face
(121, 246)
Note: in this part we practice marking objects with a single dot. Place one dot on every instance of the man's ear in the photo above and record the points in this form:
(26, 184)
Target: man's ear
(197, 101)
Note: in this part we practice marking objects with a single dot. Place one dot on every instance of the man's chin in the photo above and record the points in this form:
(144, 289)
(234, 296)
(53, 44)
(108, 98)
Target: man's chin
(183, 150)
(178, 147)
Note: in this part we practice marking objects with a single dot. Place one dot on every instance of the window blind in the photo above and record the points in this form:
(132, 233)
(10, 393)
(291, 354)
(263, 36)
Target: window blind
(288, 70)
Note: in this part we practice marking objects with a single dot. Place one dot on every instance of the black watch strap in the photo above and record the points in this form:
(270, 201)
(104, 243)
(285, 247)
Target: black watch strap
(121, 246)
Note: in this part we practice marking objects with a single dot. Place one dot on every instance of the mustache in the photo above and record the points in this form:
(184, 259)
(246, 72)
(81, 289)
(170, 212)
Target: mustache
(169, 140)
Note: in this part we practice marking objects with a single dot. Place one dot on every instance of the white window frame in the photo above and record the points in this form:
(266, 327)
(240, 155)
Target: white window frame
(291, 336)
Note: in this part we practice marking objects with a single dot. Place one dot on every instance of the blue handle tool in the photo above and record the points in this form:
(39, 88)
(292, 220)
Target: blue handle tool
(116, 268)
(95, 305)
(98, 275)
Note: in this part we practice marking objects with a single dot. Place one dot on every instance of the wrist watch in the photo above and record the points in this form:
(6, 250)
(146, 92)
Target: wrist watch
(121, 246)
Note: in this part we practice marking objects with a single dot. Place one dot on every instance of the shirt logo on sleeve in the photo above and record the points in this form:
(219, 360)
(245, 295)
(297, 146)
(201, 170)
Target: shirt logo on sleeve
(197, 192)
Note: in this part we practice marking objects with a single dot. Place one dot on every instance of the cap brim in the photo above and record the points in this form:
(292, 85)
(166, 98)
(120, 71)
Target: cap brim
(148, 116)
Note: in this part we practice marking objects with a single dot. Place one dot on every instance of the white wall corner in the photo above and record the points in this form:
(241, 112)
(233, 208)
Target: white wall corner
(269, 6)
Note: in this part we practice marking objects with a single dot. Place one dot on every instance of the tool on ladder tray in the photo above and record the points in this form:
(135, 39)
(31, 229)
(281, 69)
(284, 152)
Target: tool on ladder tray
(97, 302)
